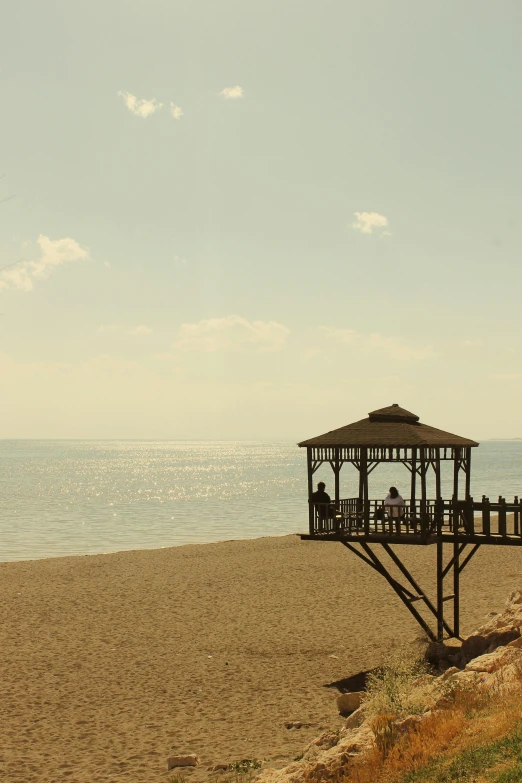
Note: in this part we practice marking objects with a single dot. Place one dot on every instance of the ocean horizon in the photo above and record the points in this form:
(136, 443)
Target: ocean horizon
(79, 497)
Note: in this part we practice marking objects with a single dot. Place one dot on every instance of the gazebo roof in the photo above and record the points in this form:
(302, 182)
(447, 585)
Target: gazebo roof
(391, 426)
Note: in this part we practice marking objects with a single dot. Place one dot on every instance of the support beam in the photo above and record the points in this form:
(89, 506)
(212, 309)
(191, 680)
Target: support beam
(363, 490)
(440, 592)
(337, 470)
(404, 594)
(402, 568)
(451, 562)
(413, 511)
(438, 491)
(468, 472)
(456, 586)
(311, 510)
(456, 468)
(468, 557)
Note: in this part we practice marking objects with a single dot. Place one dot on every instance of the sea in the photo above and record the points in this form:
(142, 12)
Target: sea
(79, 497)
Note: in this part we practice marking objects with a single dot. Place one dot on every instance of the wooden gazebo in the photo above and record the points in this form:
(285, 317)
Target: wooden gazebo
(393, 434)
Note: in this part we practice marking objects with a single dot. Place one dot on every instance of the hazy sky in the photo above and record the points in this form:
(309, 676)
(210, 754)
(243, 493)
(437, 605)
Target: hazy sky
(259, 218)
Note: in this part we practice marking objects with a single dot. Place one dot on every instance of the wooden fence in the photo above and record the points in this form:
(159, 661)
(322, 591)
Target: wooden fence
(469, 518)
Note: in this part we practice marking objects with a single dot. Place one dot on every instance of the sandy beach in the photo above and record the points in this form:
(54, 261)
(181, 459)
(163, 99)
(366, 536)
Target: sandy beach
(111, 663)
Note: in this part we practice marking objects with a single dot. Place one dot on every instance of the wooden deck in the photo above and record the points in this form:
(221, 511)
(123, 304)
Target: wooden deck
(483, 522)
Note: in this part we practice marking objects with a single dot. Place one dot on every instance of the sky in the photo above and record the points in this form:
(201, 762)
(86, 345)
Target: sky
(259, 219)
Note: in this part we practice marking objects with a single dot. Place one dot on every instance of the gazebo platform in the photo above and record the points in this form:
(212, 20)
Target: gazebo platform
(393, 434)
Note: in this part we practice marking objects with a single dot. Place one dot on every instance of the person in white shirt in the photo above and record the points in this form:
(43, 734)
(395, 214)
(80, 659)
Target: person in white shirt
(394, 504)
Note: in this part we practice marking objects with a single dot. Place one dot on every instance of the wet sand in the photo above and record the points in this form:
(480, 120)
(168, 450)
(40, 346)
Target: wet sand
(111, 663)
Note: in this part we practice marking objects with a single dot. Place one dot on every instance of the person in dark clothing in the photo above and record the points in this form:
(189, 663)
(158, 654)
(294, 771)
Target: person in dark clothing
(321, 496)
(321, 501)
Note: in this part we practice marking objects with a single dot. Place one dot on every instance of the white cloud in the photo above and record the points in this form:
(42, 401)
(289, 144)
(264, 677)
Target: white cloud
(120, 329)
(141, 329)
(53, 253)
(368, 222)
(176, 111)
(393, 347)
(232, 92)
(180, 261)
(141, 107)
(232, 333)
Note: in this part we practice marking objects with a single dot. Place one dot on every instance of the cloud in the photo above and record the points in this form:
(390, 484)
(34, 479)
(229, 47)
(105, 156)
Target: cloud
(180, 261)
(53, 253)
(393, 347)
(507, 376)
(176, 111)
(232, 92)
(141, 107)
(368, 222)
(232, 333)
(141, 329)
(120, 329)
(471, 343)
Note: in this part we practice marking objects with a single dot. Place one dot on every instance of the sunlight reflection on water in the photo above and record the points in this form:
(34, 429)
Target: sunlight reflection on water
(85, 497)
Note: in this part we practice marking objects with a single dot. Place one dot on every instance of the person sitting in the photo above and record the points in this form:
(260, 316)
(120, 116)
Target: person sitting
(321, 501)
(394, 505)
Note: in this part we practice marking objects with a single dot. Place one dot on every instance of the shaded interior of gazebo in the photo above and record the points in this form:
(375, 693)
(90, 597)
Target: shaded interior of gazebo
(395, 435)
(390, 434)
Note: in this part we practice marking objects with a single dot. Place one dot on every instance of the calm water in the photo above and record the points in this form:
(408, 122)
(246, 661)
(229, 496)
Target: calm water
(85, 497)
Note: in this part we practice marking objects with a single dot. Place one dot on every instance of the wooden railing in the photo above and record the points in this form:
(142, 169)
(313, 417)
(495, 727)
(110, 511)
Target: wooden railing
(426, 518)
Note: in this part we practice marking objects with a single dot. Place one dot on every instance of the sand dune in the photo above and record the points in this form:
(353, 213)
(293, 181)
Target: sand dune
(111, 663)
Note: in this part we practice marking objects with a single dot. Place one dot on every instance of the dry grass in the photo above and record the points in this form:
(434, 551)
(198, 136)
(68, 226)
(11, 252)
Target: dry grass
(453, 744)
(400, 687)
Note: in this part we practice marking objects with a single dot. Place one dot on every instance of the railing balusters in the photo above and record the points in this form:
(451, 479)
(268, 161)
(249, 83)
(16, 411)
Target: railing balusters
(502, 517)
(486, 516)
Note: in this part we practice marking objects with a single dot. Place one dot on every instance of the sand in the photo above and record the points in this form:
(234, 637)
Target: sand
(111, 663)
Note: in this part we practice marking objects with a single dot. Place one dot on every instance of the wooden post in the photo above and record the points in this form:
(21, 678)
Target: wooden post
(363, 490)
(311, 509)
(440, 592)
(486, 516)
(456, 587)
(413, 512)
(361, 481)
(438, 491)
(456, 468)
(502, 517)
(423, 484)
(468, 472)
(337, 483)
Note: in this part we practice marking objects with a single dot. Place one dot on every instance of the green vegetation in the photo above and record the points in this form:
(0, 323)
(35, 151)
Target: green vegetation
(246, 765)
(499, 761)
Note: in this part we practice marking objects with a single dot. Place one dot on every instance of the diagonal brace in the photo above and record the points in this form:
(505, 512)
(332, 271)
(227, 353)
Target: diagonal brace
(451, 563)
(468, 557)
(402, 568)
(404, 594)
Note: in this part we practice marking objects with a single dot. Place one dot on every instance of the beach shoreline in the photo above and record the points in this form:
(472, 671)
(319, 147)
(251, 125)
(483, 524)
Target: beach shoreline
(113, 662)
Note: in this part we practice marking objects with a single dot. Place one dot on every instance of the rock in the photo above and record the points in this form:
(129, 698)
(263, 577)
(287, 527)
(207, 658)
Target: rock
(490, 662)
(449, 673)
(515, 598)
(517, 643)
(478, 644)
(182, 761)
(355, 719)
(409, 723)
(349, 702)
(220, 768)
(297, 724)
